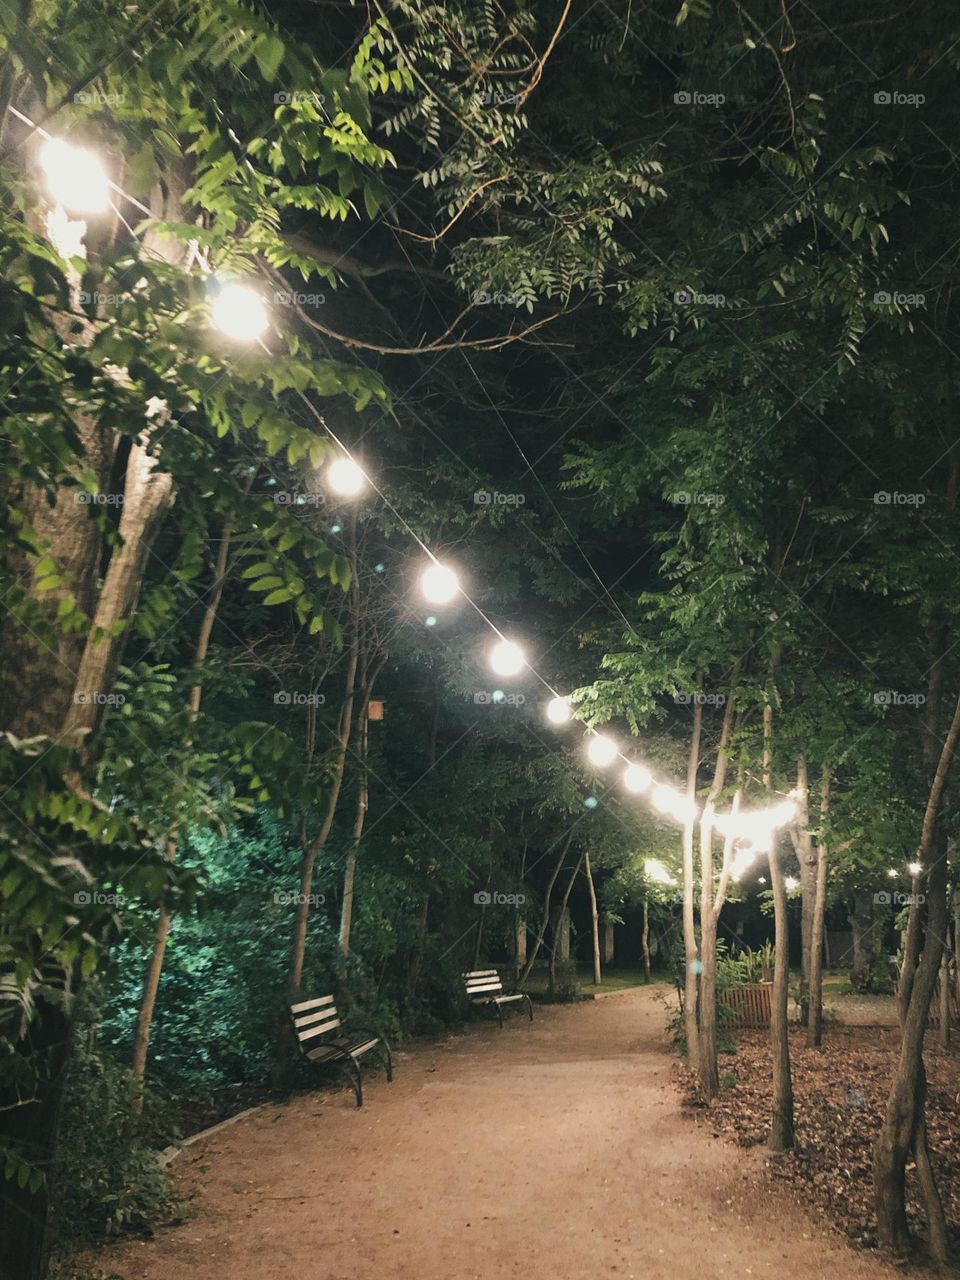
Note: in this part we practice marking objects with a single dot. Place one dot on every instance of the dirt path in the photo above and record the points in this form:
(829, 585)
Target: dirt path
(545, 1152)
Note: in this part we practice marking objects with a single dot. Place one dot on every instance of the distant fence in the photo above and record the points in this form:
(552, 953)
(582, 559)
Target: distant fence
(749, 1006)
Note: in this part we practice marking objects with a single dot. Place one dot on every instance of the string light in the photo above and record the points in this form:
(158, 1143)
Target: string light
(78, 181)
(238, 311)
(75, 177)
(636, 778)
(345, 477)
(915, 868)
(601, 750)
(654, 870)
(507, 658)
(439, 584)
(666, 799)
(791, 883)
(558, 710)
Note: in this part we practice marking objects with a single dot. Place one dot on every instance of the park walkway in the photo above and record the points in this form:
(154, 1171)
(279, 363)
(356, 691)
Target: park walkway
(545, 1152)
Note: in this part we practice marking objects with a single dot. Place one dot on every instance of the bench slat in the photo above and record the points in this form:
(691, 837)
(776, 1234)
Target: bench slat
(310, 1033)
(473, 987)
(311, 1004)
(482, 973)
(320, 1015)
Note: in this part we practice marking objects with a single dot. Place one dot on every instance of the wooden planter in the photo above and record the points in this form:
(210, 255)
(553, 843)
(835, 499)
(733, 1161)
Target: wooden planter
(749, 1006)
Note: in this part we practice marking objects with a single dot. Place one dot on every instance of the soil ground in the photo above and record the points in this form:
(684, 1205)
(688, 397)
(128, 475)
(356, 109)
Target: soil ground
(545, 1152)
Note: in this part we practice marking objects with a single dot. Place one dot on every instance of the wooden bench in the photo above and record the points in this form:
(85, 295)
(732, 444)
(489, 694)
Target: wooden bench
(316, 1024)
(484, 987)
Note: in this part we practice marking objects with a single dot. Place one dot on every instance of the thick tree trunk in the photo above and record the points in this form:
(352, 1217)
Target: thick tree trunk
(806, 852)
(817, 937)
(646, 940)
(594, 920)
(864, 941)
(691, 986)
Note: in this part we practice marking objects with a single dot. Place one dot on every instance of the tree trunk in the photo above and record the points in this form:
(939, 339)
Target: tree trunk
(646, 940)
(707, 1067)
(545, 916)
(594, 920)
(350, 870)
(864, 941)
(781, 1124)
(806, 852)
(817, 935)
(558, 928)
(413, 977)
(903, 1125)
(690, 949)
(151, 985)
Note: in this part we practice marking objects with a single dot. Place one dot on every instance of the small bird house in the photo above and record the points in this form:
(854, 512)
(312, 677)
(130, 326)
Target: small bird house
(375, 709)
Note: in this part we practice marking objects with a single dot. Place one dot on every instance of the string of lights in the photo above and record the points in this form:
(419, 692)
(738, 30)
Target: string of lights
(78, 184)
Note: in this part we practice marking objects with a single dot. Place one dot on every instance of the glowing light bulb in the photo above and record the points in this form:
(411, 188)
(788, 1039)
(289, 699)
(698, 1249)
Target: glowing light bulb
(507, 658)
(654, 870)
(558, 711)
(915, 868)
(791, 883)
(668, 800)
(239, 312)
(601, 751)
(636, 778)
(345, 477)
(439, 584)
(893, 873)
(75, 177)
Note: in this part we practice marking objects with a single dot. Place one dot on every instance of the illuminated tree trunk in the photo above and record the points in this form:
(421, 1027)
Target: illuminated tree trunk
(709, 917)
(690, 948)
(815, 960)
(545, 914)
(645, 939)
(594, 920)
(781, 1125)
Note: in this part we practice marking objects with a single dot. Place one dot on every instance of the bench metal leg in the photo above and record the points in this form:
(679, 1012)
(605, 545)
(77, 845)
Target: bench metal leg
(529, 1006)
(496, 1005)
(389, 1059)
(352, 1071)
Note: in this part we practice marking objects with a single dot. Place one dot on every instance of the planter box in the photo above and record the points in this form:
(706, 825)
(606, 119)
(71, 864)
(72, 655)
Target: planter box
(749, 1006)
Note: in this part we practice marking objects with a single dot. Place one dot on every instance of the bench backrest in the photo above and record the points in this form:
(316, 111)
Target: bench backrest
(483, 982)
(313, 1019)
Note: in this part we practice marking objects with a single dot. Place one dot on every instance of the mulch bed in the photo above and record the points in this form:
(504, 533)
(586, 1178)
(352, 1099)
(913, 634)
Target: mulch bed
(840, 1093)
